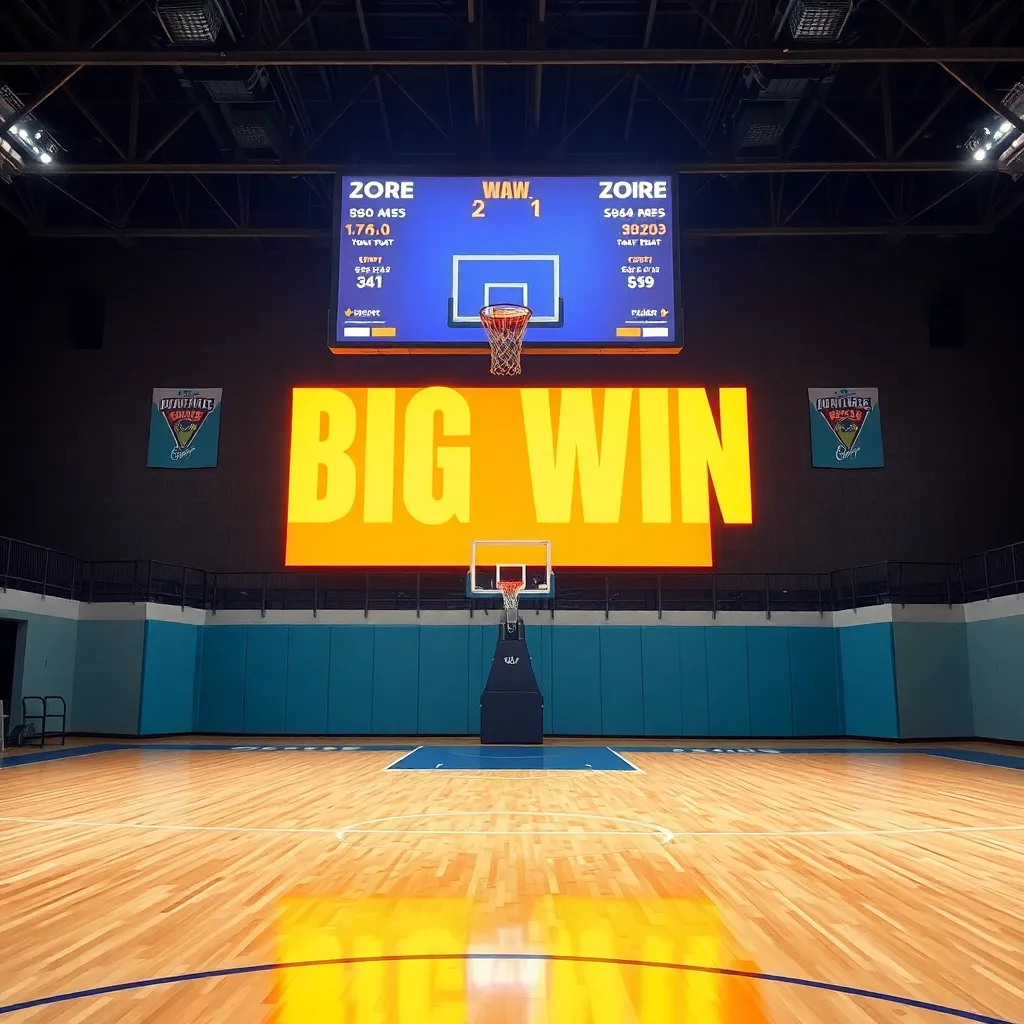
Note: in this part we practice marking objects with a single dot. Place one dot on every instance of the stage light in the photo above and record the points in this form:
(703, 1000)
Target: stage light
(980, 154)
(25, 132)
(819, 19)
(191, 22)
(1011, 159)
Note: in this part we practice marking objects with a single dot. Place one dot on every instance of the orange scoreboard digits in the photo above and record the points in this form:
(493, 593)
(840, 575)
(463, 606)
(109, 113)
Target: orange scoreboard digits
(612, 476)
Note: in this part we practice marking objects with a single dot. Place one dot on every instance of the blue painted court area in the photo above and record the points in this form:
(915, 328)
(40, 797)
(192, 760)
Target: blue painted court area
(550, 757)
(546, 758)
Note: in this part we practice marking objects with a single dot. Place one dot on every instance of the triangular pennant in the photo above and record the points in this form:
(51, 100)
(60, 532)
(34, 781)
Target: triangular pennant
(846, 424)
(184, 424)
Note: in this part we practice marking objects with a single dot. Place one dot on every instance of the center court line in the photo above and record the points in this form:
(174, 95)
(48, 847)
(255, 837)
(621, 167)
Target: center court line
(656, 831)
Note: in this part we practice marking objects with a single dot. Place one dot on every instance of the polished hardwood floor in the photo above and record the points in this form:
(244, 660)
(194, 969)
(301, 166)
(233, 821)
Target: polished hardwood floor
(710, 889)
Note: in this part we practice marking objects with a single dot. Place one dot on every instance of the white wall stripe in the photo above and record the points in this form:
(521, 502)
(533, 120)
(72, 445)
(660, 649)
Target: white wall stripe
(15, 603)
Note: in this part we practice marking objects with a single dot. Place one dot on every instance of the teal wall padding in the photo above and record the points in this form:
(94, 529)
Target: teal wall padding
(307, 681)
(728, 686)
(995, 649)
(622, 698)
(693, 678)
(350, 681)
(769, 676)
(911, 680)
(661, 687)
(44, 661)
(266, 680)
(932, 679)
(169, 678)
(869, 680)
(222, 680)
(108, 677)
(395, 672)
(813, 681)
(576, 681)
(444, 681)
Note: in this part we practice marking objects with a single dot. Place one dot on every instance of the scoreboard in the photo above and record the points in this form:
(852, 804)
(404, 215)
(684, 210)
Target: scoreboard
(593, 258)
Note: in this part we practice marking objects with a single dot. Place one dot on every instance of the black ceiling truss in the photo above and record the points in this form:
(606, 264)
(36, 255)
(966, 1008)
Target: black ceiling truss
(770, 135)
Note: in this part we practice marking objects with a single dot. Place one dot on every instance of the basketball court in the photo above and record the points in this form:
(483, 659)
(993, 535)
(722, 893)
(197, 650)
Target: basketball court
(276, 882)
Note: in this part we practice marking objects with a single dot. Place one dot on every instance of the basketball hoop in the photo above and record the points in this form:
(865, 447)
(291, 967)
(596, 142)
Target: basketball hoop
(505, 325)
(510, 595)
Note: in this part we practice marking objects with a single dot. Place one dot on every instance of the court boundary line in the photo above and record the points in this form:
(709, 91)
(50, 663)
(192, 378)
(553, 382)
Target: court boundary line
(726, 972)
(401, 758)
(623, 757)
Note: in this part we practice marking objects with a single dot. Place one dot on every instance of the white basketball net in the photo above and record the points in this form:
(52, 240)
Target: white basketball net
(505, 326)
(510, 595)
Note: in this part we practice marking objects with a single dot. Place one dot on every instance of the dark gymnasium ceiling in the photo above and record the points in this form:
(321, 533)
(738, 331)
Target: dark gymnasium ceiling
(210, 118)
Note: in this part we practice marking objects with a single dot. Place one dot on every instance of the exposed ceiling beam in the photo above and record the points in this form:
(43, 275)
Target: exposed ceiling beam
(515, 58)
(652, 10)
(58, 83)
(965, 80)
(716, 168)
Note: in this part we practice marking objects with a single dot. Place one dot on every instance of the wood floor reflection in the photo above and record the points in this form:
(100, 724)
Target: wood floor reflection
(690, 892)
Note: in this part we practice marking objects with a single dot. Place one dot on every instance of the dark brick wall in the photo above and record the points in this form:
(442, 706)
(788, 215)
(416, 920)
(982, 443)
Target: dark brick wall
(774, 316)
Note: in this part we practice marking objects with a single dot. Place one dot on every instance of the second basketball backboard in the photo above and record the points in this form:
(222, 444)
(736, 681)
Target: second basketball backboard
(494, 561)
(484, 280)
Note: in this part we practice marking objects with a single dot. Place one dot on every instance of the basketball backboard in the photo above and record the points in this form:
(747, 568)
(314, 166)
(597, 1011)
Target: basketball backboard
(493, 561)
(479, 281)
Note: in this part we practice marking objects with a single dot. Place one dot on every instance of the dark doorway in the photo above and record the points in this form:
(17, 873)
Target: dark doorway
(8, 647)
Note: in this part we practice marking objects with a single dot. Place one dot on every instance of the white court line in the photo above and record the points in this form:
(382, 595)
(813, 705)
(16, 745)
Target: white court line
(402, 757)
(664, 834)
(622, 757)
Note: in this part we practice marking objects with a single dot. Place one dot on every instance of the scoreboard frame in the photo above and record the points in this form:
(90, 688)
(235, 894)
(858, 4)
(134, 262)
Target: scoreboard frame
(614, 346)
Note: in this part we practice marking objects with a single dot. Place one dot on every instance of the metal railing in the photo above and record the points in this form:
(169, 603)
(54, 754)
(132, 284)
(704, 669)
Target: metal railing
(40, 570)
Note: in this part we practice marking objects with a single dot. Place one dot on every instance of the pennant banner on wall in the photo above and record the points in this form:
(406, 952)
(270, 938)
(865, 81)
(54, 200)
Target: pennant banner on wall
(846, 428)
(184, 428)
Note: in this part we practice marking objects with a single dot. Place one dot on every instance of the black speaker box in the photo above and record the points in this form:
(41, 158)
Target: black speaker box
(87, 316)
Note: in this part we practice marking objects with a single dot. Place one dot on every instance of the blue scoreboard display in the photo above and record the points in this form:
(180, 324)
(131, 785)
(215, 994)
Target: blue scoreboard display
(592, 257)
